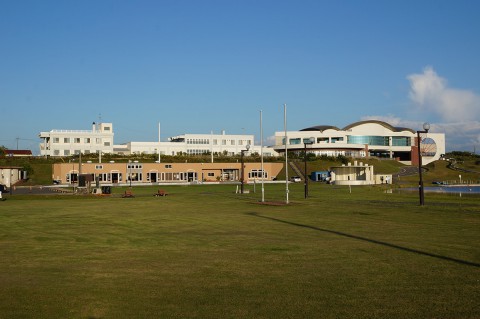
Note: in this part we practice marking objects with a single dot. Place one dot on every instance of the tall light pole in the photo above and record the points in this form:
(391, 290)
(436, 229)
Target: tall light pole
(286, 152)
(305, 142)
(421, 193)
(261, 157)
(242, 168)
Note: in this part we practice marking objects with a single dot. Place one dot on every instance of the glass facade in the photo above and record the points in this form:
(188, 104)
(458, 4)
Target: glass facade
(370, 140)
(401, 141)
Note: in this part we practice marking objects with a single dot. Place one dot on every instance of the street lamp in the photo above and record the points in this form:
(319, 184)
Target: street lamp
(243, 169)
(305, 142)
(426, 127)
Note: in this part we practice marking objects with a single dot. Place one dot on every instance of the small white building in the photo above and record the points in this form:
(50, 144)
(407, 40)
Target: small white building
(356, 174)
(9, 175)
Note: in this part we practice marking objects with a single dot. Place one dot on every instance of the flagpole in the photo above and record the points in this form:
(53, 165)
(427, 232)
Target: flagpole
(158, 142)
(286, 150)
(261, 155)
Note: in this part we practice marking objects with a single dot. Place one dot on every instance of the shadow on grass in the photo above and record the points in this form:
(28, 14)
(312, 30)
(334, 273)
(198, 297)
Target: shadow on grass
(424, 253)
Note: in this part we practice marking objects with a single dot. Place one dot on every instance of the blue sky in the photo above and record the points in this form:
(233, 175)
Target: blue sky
(198, 66)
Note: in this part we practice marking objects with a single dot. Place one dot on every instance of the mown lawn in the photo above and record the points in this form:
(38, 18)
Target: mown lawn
(206, 252)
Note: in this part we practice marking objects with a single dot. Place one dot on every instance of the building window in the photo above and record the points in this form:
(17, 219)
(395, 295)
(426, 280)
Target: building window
(106, 144)
(56, 152)
(294, 141)
(257, 173)
(215, 142)
(56, 140)
(76, 140)
(99, 140)
(337, 139)
(66, 152)
(98, 166)
(211, 174)
(370, 140)
(66, 140)
(401, 141)
(224, 142)
(87, 140)
(233, 142)
(168, 166)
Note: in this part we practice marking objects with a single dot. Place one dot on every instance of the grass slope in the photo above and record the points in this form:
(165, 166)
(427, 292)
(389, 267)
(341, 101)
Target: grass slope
(206, 252)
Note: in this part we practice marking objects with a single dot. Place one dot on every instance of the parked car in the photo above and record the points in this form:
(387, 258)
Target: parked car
(295, 179)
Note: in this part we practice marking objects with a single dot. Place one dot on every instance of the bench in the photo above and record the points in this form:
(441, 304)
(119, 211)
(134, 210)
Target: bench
(160, 192)
(128, 194)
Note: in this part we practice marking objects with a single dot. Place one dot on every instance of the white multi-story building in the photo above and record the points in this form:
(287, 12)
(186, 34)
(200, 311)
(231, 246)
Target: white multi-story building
(100, 139)
(364, 139)
(71, 142)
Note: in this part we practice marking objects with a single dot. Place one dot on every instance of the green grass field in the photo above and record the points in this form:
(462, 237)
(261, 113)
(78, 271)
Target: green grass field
(206, 252)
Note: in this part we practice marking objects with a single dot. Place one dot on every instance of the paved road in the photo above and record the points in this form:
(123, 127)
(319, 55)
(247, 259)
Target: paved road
(33, 190)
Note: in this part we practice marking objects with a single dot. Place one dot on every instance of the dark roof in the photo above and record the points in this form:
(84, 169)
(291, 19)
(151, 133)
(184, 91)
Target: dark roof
(321, 128)
(384, 124)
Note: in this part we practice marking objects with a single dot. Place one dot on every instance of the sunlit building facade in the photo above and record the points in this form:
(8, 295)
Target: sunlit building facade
(364, 139)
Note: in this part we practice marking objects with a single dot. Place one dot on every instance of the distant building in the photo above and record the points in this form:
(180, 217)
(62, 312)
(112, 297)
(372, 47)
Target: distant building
(364, 139)
(100, 139)
(196, 144)
(18, 153)
(72, 142)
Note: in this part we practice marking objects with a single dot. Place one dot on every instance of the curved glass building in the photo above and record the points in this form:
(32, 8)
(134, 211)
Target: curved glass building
(364, 139)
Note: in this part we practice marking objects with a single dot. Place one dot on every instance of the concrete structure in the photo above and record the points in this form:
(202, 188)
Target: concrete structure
(357, 174)
(135, 172)
(364, 139)
(9, 175)
(72, 142)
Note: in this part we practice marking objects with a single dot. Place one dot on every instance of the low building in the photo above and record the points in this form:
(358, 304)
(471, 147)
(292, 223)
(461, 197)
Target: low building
(9, 175)
(136, 172)
(357, 174)
(18, 153)
(364, 139)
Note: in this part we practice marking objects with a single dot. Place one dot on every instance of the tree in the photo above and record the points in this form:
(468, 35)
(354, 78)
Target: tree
(3, 150)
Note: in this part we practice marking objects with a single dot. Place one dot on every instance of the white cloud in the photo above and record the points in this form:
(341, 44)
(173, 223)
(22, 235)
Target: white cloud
(431, 93)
